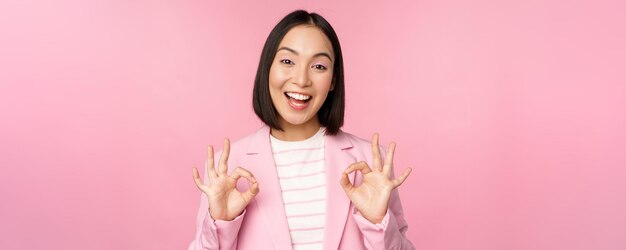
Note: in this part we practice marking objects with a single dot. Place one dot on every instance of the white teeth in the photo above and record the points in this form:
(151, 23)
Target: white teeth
(298, 96)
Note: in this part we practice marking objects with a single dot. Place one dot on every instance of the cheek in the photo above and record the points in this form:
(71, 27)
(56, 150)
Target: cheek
(276, 80)
(324, 82)
(273, 77)
(277, 75)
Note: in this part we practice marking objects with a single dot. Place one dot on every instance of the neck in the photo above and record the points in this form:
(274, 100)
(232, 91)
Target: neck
(299, 132)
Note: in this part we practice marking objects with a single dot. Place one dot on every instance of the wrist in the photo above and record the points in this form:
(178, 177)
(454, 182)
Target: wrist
(218, 216)
(374, 219)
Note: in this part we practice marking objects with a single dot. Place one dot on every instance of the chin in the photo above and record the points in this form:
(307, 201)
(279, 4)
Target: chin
(296, 121)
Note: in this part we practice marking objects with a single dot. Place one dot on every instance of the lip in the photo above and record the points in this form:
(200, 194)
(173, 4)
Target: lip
(295, 104)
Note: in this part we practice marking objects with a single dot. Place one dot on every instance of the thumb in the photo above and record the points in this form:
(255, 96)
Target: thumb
(252, 191)
(345, 182)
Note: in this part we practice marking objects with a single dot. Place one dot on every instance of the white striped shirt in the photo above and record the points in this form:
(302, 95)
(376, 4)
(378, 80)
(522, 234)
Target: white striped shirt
(300, 167)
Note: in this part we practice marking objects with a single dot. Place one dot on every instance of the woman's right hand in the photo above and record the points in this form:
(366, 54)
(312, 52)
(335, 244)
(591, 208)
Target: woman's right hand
(225, 201)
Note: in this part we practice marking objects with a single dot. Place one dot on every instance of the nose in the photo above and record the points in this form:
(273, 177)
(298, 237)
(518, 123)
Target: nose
(301, 76)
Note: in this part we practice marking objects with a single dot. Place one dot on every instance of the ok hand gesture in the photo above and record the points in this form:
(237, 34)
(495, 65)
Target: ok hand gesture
(225, 201)
(371, 198)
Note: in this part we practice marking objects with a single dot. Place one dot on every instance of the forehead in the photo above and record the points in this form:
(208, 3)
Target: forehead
(307, 39)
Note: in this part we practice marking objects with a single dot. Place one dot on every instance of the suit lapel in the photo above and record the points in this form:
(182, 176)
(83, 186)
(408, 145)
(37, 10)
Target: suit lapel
(337, 203)
(269, 200)
(260, 160)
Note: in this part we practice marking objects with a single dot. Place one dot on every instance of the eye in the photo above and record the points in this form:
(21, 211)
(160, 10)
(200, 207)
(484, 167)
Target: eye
(286, 61)
(319, 67)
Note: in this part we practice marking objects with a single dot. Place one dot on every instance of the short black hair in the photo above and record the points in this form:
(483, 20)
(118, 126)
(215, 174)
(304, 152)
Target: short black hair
(331, 113)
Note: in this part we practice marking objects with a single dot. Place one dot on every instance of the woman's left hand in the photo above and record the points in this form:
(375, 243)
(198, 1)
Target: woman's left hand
(371, 198)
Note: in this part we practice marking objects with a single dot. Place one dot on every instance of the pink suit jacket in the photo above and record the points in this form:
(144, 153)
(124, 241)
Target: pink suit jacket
(263, 225)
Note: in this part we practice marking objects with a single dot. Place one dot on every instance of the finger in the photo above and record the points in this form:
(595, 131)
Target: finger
(222, 168)
(242, 172)
(398, 181)
(345, 183)
(196, 179)
(360, 166)
(389, 159)
(210, 164)
(376, 159)
(254, 185)
(252, 191)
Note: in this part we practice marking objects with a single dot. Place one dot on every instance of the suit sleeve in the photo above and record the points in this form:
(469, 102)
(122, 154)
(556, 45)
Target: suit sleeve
(214, 234)
(391, 232)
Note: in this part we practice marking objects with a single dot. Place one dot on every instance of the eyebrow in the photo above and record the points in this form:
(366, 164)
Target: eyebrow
(295, 52)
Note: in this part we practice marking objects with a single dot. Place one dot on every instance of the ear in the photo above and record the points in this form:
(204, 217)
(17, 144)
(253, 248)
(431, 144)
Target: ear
(332, 86)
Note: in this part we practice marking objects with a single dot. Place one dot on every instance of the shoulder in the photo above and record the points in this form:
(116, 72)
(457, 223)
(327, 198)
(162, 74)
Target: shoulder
(252, 138)
(247, 144)
(356, 141)
(360, 147)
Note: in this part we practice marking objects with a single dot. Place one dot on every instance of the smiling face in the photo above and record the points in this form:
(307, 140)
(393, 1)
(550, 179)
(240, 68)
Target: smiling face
(301, 76)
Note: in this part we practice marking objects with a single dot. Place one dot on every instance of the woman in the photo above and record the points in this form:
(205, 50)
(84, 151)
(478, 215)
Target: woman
(302, 161)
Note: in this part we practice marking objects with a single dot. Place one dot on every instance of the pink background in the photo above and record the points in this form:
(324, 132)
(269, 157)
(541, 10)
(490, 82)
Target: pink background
(512, 114)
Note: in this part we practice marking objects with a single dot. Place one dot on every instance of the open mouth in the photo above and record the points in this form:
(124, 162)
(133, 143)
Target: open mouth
(297, 100)
(297, 96)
